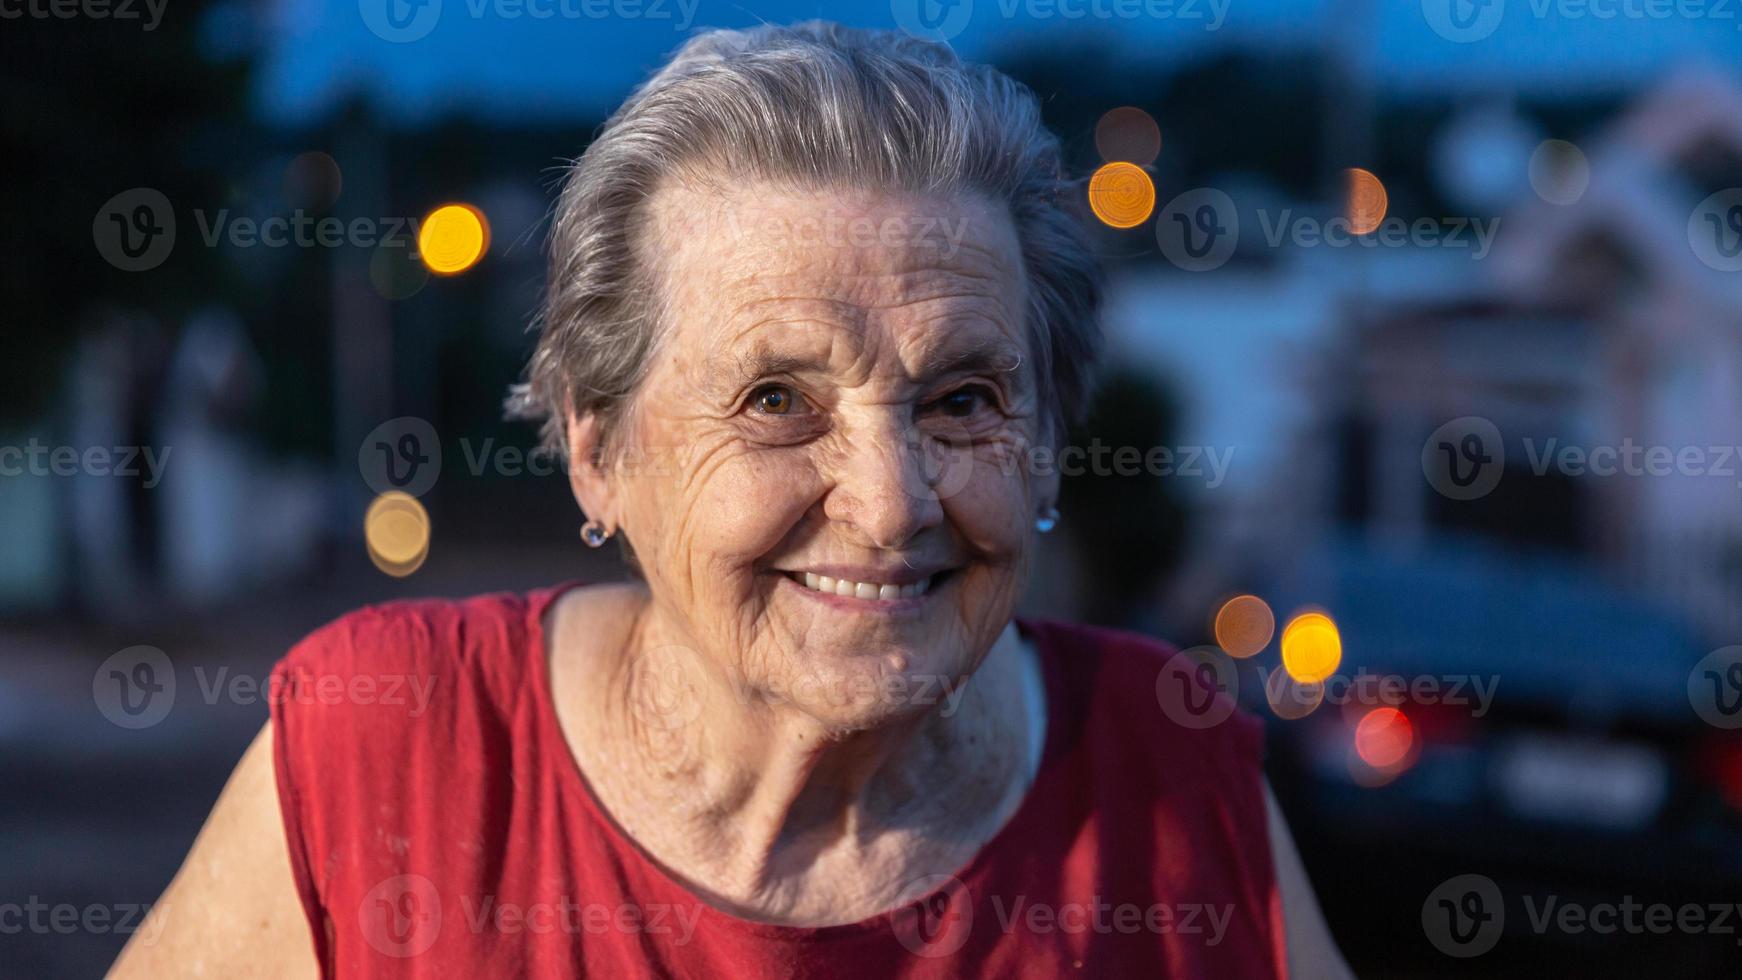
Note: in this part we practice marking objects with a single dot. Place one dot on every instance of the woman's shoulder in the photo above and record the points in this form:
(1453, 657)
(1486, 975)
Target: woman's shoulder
(407, 652)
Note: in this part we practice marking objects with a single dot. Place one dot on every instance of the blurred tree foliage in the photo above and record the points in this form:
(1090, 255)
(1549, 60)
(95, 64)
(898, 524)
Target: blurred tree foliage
(1128, 530)
(93, 108)
(1237, 111)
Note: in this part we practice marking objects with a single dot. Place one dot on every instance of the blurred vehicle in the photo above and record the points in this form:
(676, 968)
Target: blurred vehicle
(1509, 717)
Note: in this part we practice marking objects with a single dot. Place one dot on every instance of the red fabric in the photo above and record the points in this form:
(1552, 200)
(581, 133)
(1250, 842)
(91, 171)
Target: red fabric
(449, 834)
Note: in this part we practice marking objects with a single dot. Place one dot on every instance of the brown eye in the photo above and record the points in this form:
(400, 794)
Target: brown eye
(774, 399)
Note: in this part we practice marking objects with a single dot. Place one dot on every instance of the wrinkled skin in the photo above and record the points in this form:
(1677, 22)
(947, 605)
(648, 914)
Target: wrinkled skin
(823, 403)
(843, 388)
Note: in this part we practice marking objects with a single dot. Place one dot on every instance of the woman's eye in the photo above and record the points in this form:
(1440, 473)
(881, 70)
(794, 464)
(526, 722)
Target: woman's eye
(774, 399)
(963, 402)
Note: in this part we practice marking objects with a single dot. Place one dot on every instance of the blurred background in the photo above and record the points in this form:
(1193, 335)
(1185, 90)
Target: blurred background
(1425, 325)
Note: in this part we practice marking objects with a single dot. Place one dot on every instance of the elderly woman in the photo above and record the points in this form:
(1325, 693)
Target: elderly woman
(815, 296)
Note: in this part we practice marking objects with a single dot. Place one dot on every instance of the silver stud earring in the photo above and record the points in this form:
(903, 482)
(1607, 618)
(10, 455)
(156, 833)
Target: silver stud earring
(1047, 520)
(594, 534)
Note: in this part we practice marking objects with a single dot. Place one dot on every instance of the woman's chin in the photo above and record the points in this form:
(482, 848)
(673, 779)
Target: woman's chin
(853, 686)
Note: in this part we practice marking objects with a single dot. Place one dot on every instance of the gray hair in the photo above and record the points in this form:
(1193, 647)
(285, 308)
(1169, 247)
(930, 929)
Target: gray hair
(820, 105)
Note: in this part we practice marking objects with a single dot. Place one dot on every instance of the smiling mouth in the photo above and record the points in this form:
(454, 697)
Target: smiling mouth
(883, 591)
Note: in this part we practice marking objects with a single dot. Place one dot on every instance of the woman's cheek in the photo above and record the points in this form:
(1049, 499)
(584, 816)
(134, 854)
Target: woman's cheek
(749, 505)
(992, 508)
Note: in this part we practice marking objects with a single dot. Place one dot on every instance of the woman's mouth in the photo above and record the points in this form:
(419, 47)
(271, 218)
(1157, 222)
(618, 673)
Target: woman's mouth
(847, 588)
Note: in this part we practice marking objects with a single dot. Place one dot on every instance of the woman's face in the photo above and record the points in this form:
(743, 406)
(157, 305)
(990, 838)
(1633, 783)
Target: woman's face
(824, 473)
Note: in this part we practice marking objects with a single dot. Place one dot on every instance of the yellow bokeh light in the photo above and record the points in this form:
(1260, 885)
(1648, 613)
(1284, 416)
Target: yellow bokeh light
(396, 529)
(1365, 200)
(1121, 195)
(1244, 625)
(453, 238)
(1311, 648)
(1129, 134)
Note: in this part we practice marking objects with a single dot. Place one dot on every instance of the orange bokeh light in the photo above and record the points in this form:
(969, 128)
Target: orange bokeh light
(1365, 200)
(1244, 625)
(1121, 195)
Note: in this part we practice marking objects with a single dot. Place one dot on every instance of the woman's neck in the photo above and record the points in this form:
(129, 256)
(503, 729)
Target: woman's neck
(758, 806)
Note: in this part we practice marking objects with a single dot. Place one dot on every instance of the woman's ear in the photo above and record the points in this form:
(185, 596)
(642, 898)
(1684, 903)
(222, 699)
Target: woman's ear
(589, 477)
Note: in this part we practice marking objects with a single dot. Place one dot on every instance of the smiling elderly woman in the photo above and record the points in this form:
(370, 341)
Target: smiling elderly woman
(814, 295)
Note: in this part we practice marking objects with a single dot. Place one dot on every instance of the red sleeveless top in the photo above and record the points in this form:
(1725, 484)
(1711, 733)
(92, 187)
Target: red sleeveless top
(438, 827)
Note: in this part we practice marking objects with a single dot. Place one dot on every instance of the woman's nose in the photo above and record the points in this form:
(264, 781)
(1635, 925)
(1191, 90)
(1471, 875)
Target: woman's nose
(889, 482)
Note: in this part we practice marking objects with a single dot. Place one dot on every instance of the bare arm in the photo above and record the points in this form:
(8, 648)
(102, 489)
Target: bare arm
(232, 910)
(1312, 953)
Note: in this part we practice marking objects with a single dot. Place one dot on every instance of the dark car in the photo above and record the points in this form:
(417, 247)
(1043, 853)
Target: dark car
(1516, 720)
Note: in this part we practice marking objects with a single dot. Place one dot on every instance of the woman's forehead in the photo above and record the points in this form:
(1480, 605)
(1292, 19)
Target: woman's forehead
(822, 277)
(759, 241)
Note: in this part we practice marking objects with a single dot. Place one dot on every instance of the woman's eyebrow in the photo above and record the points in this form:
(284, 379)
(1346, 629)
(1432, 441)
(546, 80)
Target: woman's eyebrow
(988, 354)
(735, 370)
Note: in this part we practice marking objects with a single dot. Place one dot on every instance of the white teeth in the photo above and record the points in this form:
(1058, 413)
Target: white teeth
(863, 590)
